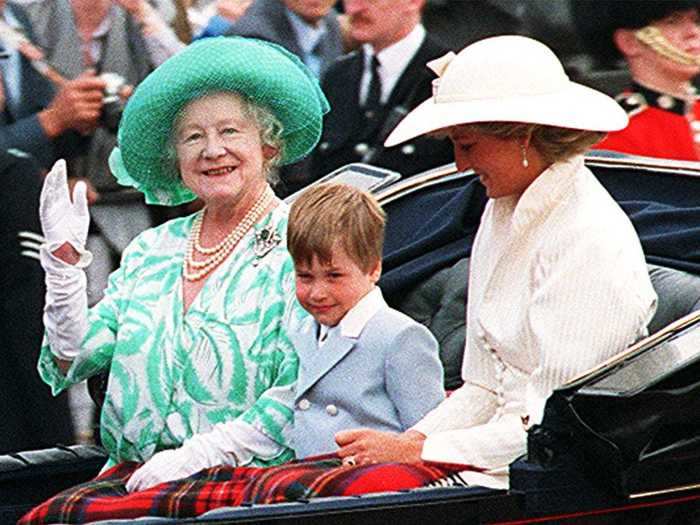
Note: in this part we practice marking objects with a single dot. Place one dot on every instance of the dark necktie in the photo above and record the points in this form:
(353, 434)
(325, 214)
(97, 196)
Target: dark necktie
(374, 93)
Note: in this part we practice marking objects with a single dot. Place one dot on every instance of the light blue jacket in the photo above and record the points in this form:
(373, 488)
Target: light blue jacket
(387, 379)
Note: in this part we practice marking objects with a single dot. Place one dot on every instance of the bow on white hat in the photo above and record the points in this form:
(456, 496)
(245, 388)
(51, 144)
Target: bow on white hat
(438, 66)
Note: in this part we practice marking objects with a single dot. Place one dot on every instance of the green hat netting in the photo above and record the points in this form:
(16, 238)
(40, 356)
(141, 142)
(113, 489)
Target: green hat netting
(264, 72)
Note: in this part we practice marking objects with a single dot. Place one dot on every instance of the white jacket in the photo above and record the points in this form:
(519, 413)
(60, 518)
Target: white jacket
(557, 284)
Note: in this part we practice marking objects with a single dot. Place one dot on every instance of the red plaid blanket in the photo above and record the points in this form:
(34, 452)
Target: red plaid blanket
(105, 496)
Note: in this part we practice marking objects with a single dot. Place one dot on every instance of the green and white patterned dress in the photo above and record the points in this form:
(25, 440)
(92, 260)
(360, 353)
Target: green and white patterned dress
(172, 375)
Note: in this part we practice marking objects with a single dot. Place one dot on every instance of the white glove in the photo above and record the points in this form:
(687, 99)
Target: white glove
(65, 309)
(62, 220)
(194, 455)
(232, 443)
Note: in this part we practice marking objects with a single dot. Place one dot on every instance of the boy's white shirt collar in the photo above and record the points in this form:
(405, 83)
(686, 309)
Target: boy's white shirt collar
(352, 324)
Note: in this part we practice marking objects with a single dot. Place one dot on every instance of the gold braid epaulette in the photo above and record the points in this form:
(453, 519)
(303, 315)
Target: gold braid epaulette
(652, 36)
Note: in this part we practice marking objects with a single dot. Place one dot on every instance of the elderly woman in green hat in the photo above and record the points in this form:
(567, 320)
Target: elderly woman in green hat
(193, 325)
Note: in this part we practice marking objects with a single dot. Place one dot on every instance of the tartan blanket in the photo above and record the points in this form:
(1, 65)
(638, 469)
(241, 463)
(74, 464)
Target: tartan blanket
(105, 497)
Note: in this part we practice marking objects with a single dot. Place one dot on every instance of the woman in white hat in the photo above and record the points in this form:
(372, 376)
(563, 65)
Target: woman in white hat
(557, 281)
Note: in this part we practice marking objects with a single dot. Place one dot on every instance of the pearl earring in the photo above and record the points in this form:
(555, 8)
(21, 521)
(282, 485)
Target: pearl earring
(525, 161)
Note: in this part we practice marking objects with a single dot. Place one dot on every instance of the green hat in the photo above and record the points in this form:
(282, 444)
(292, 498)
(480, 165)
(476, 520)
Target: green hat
(265, 73)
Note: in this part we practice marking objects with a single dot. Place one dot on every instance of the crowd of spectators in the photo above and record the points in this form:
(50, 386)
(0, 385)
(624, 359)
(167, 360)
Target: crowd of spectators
(68, 66)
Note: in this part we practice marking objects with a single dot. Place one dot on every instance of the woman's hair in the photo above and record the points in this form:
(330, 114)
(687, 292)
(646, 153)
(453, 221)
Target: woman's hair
(266, 122)
(552, 142)
(329, 214)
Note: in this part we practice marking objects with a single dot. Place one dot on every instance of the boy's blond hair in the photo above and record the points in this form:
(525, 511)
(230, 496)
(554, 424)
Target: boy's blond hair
(331, 213)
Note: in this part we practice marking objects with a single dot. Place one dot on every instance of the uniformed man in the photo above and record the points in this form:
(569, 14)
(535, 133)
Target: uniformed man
(660, 41)
(371, 89)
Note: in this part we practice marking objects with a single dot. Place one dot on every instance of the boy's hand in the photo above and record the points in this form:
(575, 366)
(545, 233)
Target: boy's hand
(363, 445)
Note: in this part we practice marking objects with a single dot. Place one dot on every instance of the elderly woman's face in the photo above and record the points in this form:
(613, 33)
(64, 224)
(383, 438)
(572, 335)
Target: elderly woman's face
(498, 162)
(220, 153)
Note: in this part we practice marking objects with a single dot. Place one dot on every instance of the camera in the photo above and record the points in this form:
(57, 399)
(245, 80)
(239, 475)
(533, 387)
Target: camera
(112, 102)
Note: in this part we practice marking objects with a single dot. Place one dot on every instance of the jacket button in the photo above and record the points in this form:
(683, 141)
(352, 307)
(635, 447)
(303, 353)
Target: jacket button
(304, 404)
(408, 149)
(665, 102)
(332, 410)
(635, 99)
(361, 148)
(323, 146)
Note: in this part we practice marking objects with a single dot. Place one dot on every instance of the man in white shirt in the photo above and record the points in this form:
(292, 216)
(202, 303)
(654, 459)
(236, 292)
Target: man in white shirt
(391, 31)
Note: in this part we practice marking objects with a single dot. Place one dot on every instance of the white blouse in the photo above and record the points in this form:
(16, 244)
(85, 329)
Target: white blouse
(557, 284)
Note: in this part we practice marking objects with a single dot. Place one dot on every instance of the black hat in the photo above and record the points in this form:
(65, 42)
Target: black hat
(597, 20)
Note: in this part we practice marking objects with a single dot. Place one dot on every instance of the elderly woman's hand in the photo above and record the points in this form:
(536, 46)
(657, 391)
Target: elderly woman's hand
(197, 453)
(64, 222)
(167, 465)
(363, 445)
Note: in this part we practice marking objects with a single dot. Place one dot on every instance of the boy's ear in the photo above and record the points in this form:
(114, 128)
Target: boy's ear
(376, 272)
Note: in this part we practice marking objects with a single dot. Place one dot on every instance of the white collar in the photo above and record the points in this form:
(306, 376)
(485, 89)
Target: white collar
(9, 17)
(307, 35)
(394, 59)
(400, 53)
(103, 28)
(547, 189)
(352, 324)
(94, 46)
(15, 39)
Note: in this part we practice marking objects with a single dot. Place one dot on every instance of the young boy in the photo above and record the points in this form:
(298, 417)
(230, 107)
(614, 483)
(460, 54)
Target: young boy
(362, 363)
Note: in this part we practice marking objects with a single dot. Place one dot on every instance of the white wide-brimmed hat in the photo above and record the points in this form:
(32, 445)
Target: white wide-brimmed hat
(508, 79)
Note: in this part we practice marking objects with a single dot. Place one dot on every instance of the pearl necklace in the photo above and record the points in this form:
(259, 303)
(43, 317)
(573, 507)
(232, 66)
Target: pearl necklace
(194, 270)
